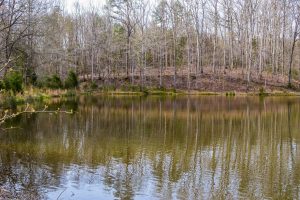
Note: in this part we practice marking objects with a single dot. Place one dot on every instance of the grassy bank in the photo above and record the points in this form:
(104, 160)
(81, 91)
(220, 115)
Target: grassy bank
(32, 94)
(9, 100)
(136, 90)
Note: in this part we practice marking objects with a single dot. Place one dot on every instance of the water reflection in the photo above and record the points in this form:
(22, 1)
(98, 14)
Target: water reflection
(156, 148)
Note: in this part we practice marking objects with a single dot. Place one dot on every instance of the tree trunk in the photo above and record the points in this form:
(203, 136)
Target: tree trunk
(292, 55)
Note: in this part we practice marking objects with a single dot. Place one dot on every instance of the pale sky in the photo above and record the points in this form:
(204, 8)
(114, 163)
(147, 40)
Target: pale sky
(70, 3)
(98, 3)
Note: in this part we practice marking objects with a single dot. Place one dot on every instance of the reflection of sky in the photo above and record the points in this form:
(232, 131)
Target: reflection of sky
(88, 191)
(111, 181)
(84, 183)
(80, 183)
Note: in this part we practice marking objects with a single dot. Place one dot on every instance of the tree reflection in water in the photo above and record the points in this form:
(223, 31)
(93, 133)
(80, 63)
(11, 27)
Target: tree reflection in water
(136, 147)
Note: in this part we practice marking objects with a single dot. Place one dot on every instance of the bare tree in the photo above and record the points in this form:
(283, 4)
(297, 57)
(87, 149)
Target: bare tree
(295, 5)
(123, 11)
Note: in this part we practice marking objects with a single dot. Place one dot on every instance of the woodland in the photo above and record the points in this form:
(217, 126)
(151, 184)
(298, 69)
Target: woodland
(182, 44)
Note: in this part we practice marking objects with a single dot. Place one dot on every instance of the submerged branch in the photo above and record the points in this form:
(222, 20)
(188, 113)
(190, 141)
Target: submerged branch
(31, 110)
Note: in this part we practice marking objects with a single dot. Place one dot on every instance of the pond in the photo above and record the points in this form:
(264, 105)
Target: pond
(155, 148)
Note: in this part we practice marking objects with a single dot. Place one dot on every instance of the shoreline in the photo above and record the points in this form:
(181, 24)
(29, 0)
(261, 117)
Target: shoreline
(183, 92)
(195, 93)
(43, 95)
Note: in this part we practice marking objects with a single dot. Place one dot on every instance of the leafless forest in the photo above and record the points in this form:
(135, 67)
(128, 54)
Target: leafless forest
(135, 40)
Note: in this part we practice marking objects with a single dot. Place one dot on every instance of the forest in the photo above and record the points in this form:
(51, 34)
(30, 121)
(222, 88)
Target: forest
(149, 99)
(185, 44)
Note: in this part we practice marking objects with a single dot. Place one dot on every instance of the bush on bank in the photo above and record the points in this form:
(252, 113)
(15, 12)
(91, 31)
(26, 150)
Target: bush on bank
(12, 81)
(55, 82)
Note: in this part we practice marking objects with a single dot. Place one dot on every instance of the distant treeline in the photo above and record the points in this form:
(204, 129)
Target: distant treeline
(127, 38)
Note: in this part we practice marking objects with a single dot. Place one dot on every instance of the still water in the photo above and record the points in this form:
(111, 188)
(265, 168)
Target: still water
(155, 148)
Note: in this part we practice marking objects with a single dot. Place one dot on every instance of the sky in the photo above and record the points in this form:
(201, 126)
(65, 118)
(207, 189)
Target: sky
(70, 3)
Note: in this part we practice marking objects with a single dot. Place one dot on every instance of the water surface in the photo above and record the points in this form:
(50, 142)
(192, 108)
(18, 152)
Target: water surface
(155, 148)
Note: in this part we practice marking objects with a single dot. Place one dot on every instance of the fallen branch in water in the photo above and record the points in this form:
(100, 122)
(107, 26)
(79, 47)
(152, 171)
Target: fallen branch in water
(61, 193)
(10, 128)
(31, 110)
